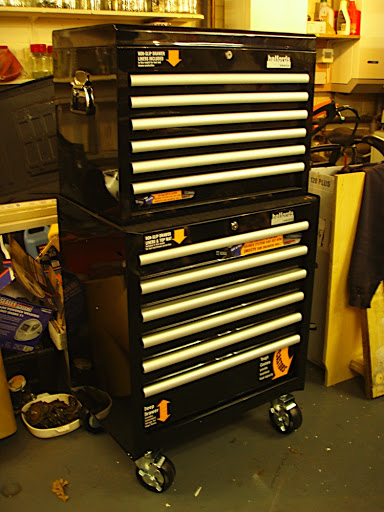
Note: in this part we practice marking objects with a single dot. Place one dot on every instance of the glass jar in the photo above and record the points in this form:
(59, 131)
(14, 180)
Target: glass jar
(133, 5)
(171, 5)
(157, 5)
(39, 61)
(50, 58)
(89, 5)
(20, 392)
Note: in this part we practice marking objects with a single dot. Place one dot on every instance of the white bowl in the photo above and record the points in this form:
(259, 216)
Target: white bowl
(45, 433)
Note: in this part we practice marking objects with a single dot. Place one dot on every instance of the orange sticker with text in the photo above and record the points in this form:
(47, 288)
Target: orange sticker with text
(167, 197)
(281, 363)
(262, 245)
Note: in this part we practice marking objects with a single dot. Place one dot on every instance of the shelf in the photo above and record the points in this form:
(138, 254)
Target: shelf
(336, 36)
(102, 16)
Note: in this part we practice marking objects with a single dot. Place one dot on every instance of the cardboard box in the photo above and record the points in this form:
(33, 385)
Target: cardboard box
(335, 337)
(21, 324)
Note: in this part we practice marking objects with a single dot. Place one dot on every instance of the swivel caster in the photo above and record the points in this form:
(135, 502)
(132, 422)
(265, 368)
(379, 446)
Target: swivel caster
(90, 422)
(155, 472)
(285, 414)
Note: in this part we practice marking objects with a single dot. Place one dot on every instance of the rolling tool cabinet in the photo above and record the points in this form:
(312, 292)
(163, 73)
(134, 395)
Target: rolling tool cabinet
(184, 212)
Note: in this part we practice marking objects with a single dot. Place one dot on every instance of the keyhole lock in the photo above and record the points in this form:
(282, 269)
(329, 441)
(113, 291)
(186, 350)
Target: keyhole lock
(234, 225)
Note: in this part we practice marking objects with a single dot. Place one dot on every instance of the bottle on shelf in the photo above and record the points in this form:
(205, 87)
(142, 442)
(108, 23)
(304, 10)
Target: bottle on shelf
(157, 5)
(355, 17)
(50, 58)
(39, 61)
(327, 14)
(343, 25)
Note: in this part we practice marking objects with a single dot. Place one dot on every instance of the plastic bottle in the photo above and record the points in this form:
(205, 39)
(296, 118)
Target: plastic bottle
(327, 14)
(343, 26)
(355, 17)
(39, 61)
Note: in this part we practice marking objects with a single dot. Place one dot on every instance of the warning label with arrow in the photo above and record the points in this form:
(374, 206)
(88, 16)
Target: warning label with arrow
(164, 239)
(275, 365)
(152, 58)
(153, 414)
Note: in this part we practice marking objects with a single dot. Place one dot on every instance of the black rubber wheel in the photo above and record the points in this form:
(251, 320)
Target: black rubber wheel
(157, 479)
(285, 421)
(90, 422)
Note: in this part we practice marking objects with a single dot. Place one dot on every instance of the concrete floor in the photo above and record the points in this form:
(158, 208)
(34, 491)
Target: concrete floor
(333, 463)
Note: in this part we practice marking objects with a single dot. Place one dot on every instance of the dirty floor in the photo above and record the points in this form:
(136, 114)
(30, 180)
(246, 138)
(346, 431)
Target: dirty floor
(333, 463)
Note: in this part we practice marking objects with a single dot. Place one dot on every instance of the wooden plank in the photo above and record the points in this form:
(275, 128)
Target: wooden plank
(373, 344)
(343, 336)
(357, 364)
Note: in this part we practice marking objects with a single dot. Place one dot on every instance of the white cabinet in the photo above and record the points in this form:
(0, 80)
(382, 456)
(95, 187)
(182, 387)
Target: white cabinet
(288, 16)
(359, 65)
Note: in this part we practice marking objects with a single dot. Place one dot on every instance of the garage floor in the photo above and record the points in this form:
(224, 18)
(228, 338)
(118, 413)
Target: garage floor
(333, 463)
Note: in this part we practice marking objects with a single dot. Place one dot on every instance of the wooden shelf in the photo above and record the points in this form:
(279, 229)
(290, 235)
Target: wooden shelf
(102, 16)
(336, 36)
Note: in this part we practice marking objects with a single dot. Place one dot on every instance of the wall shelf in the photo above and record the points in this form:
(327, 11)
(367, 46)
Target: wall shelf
(34, 13)
(336, 36)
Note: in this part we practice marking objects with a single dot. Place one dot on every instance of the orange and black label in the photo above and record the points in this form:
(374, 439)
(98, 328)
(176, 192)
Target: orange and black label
(156, 414)
(275, 365)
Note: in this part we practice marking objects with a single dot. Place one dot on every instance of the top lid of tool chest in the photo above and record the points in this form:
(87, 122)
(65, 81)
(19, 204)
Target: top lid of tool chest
(127, 35)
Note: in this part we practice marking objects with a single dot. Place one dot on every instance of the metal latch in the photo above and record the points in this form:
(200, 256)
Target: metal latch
(83, 101)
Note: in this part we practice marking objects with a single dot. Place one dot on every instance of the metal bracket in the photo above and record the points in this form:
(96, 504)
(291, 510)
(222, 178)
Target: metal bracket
(82, 101)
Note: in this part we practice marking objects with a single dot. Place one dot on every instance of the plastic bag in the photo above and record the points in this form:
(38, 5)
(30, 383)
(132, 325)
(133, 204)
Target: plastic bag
(10, 67)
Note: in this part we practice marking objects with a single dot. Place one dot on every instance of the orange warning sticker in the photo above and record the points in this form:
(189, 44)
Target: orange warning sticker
(163, 410)
(281, 363)
(166, 197)
(262, 245)
(155, 413)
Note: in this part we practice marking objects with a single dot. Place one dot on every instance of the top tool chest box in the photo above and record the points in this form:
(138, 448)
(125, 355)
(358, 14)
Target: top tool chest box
(155, 119)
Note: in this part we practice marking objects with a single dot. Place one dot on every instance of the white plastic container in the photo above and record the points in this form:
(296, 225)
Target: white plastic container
(343, 25)
(46, 433)
(327, 14)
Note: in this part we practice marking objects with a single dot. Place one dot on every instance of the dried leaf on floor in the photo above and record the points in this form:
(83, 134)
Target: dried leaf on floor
(58, 489)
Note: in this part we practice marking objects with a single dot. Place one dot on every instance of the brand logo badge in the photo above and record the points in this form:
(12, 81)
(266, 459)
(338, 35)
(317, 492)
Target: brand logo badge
(282, 218)
(279, 62)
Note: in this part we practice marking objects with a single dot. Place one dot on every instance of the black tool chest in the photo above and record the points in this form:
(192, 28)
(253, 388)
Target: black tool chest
(184, 212)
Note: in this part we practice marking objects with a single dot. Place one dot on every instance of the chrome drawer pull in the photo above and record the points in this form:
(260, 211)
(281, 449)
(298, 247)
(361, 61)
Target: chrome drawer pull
(182, 100)
(141, 146)
(153, 80)
(157, 123)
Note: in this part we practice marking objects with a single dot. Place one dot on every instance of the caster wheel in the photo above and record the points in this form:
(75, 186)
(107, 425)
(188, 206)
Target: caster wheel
(285, 414)
(156, 474)
(91, 423)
